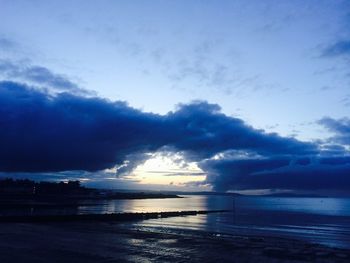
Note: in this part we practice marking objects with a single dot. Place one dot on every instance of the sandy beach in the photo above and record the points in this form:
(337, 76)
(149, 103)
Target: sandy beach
(112, 242)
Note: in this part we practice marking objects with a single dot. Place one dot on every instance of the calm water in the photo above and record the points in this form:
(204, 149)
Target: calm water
(321, 220)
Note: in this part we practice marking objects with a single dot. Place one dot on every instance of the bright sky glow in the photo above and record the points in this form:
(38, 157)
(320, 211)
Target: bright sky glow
(163, 170)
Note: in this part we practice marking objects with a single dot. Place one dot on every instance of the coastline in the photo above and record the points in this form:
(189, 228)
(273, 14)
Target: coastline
(115, 242)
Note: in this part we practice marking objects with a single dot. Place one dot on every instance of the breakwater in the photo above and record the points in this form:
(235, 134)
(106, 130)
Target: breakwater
(117, 217)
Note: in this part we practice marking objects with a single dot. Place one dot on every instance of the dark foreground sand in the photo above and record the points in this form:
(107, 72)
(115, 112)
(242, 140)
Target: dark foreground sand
(111, 242)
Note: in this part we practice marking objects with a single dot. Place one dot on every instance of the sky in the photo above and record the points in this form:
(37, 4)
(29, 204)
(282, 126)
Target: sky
(177, 95)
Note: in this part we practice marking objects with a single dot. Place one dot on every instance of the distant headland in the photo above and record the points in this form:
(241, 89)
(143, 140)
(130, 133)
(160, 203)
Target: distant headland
(25, 189)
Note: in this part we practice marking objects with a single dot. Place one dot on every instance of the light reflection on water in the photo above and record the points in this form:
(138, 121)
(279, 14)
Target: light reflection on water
(322, 220)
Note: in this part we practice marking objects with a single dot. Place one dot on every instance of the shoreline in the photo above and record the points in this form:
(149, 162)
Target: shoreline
(122, 242)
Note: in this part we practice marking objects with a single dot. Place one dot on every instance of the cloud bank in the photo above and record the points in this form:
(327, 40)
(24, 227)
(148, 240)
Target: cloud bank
(43, 133)
(310, 173)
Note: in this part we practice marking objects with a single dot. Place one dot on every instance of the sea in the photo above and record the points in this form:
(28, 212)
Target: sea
(318, 220)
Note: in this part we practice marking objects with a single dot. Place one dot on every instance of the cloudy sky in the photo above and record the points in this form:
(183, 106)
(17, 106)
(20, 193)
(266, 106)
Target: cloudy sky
(224, 95)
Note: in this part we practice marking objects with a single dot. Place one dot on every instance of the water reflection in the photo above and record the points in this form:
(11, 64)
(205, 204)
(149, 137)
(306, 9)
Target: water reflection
(149, 205)
(323, 220)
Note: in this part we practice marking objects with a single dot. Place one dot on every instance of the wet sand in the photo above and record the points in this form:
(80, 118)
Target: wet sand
(111, 242)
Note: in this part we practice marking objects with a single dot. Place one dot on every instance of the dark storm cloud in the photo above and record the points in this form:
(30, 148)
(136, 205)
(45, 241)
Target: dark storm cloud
(328, 169)
(202, 129)
(44, 133)
(339, 48)
(39, 75)
(40, 132)
(317, 173)
(333, 149)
